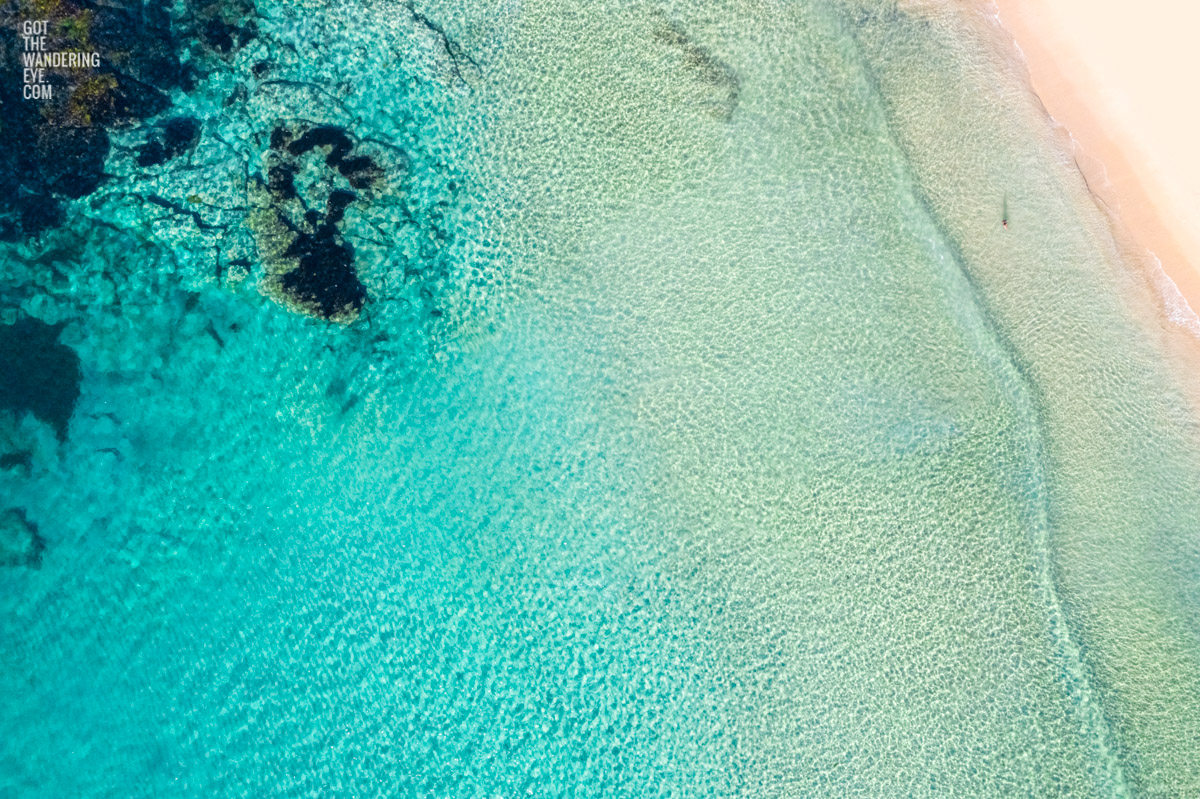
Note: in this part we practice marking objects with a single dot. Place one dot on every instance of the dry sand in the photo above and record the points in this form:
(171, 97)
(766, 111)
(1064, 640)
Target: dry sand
(1122, 77)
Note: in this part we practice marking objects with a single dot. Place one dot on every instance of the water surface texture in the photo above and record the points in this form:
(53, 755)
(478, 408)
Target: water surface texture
(588, 399)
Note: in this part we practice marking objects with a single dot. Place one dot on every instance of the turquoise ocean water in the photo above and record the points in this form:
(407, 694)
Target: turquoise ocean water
(703, 432)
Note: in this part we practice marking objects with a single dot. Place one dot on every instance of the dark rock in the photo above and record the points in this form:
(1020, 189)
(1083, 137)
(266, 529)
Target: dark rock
(38, 213)
(361, 171)
(23, 185)
(71, 160)
(310, 266)
(180, 134)
(20, 543)
(109, 98)
(335, 207)
(247, 33)
(222, 26)
(63, 141)
(280, 137)
(168, 140)
(324, 278)
(42, 375)
(11, 460)
(152, 153)
(136, 39)
(218, 35)
(323, 136)
(281, 179)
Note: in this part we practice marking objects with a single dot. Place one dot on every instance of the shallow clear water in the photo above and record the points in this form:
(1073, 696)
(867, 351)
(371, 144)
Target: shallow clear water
(741, 457)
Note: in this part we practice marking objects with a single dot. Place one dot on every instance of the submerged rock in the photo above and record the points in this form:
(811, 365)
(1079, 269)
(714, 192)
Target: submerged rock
(298, 226)
(324, 279)
(168, 140)
(138, 40)
(20, 544)
(222, 26)
(64, 139)
(71, 160)
(41, 375)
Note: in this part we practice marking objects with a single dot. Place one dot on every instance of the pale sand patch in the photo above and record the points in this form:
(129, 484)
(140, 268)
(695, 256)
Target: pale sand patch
(1122, 78)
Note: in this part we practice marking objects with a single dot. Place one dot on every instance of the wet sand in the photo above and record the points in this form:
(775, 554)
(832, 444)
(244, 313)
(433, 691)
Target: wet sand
(1118, 78)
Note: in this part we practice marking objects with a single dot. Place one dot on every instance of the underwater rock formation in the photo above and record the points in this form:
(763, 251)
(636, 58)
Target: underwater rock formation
(20, 544)
(43, 161)
(222, 26)
(169, 140)
(41, 375)
(62, 141)
(313, 175)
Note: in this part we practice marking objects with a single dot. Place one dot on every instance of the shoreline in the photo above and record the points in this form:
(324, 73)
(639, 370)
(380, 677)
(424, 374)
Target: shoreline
(1112, 81)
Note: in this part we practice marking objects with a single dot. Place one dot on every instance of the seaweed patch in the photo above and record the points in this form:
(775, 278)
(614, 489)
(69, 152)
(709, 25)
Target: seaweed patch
(723, 86)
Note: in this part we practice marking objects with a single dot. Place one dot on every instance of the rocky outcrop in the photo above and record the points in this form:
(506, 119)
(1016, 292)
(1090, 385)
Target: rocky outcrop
(314, 174)
(62, 142)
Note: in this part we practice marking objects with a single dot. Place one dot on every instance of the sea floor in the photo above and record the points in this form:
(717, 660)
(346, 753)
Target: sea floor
(678, 420)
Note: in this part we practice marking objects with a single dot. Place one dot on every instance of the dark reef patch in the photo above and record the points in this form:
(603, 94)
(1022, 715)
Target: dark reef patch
(334, 138)
(17, 460)
(299, 226)
(324, 277)
(335, 207)
(169, 140)
(42, 162)
(20, 542)
(72, 162)
(361, 171)
(281, 180)
(41, 375)
(137, 40)
(224, 27)
(63, 141)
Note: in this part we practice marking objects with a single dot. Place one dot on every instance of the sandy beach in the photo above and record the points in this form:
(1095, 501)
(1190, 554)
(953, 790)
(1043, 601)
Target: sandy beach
(1119, 78)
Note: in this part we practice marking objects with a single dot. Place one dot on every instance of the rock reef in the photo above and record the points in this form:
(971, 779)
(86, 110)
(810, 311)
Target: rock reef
(41, 375)
(313, 176)
(65, 139)
(168, 140)
(243, 147)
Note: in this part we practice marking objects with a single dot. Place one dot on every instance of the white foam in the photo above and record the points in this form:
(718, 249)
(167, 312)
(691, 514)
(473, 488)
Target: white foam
(1174, 303)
